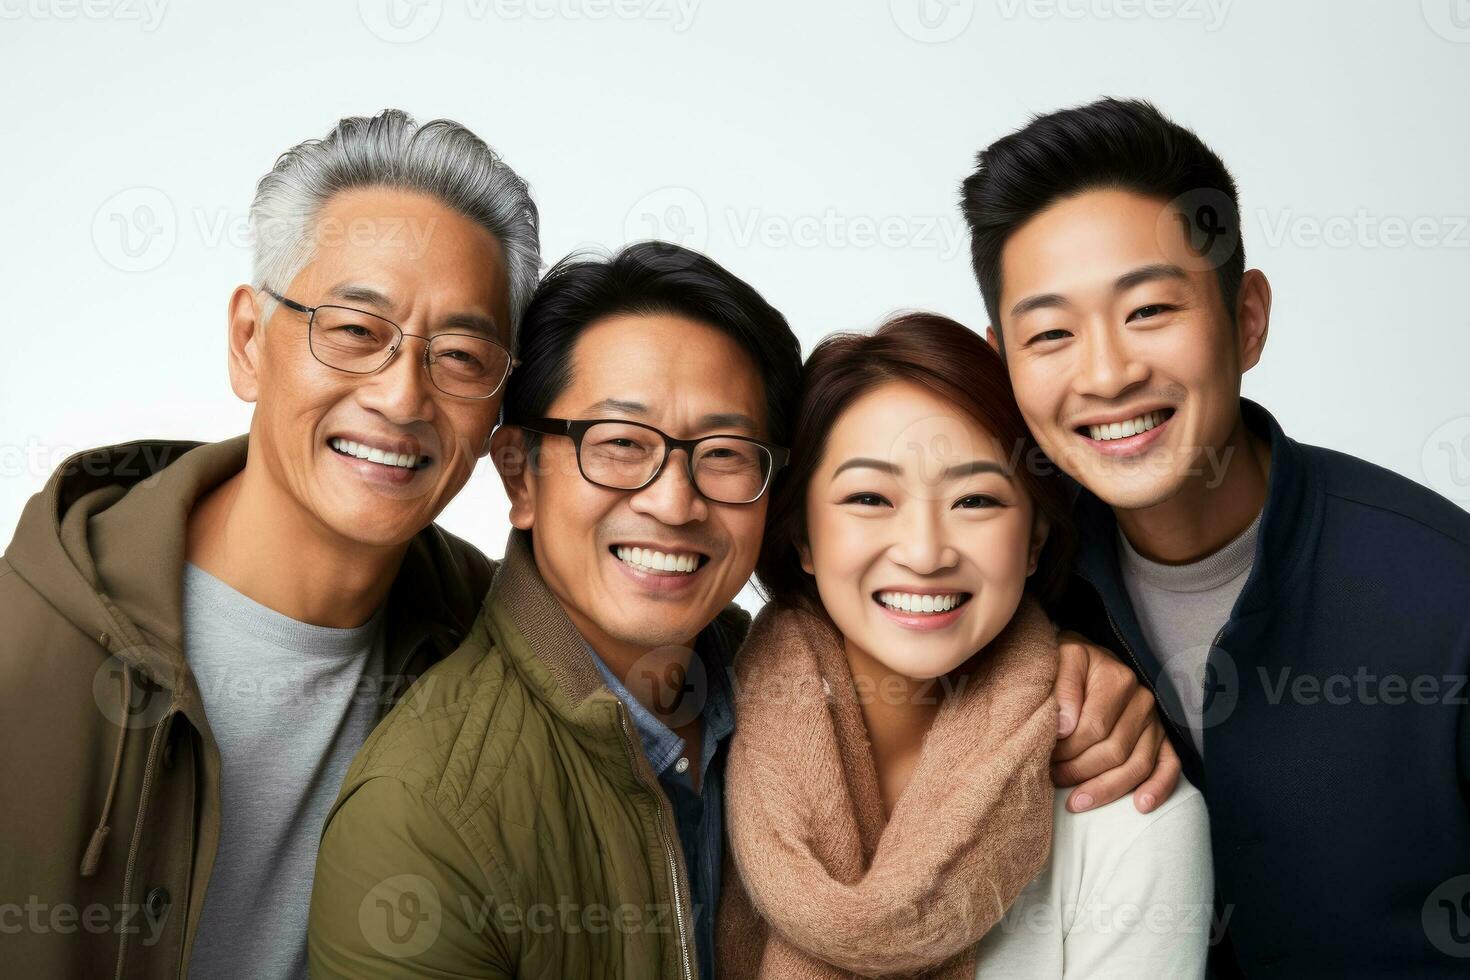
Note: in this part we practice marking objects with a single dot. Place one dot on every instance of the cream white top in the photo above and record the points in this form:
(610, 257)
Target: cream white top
(1123, 894)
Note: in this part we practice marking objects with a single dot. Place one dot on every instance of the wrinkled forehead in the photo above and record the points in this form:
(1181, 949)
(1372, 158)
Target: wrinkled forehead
(398, 254)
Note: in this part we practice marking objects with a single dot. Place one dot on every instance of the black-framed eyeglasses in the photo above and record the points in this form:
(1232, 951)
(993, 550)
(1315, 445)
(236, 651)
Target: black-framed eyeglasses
(620, 455)
(461, 364)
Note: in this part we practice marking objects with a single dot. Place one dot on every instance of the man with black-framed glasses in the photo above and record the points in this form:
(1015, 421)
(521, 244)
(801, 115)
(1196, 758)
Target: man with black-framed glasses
(198, 637)
(620, 454)
(573, 824)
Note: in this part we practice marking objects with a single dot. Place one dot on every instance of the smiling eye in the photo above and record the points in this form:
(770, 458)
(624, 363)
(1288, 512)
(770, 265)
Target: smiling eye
(866, 500)
(976, 501)
(1152, 310)
(1049, 335)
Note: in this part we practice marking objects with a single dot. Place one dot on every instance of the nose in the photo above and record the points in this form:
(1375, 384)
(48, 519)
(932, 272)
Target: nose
(400, 391)
(671, 499)
(923, 547)
(1108, 368)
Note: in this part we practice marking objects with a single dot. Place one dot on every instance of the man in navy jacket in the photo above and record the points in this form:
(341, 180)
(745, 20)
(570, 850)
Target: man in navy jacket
(1302, 616)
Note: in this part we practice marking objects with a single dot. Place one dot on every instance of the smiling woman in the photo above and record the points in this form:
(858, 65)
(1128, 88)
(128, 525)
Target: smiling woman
(924, 351)
(895, 699)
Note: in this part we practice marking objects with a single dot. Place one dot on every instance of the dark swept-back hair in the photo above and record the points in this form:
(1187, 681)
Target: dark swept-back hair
(648, 278)
(1112, 143)
(954, 363)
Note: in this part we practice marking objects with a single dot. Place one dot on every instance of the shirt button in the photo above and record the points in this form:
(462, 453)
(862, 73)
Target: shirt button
(682, 766)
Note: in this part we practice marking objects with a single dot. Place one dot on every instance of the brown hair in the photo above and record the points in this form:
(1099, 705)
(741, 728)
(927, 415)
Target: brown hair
(953, 362)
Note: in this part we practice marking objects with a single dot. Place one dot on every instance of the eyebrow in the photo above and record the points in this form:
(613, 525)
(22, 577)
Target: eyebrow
(1148, 273)
(355, 293)
(1134, 277)
(714, 420)
(950, 472)
(358, 293)
(972, 467)
(861, 462)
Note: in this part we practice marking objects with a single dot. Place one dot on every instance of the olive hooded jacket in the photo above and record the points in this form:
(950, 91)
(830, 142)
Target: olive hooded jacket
(109, 776)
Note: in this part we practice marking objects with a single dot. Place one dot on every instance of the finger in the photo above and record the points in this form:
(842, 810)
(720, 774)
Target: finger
(1114, 748)
(1160, 786)
(1115, 783)
(1108, 689)
(1071, 680)
(1112, 692)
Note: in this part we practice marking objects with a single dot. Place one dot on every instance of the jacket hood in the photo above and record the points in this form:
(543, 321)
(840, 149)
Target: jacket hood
(103, 541)
(104, 544)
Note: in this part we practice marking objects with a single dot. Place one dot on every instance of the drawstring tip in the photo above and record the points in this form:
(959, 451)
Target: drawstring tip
(94, 851)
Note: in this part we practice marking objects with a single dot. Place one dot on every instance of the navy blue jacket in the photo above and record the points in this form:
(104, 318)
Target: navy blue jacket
(1336, 731)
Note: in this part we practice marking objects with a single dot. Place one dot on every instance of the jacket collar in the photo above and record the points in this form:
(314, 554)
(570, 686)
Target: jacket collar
(661, 744)
(533, 629)
(1290, 526)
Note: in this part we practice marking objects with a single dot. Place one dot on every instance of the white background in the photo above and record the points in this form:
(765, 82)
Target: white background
(814, 148)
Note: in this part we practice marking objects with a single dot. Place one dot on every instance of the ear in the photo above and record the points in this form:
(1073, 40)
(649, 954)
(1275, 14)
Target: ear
(805, 551)
(512, 462)
(993, 338)
(246, 343)
(1252, 317)
(1040, 528)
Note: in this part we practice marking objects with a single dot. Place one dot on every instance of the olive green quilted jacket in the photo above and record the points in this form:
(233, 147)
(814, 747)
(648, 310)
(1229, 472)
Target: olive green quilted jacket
(502, 820)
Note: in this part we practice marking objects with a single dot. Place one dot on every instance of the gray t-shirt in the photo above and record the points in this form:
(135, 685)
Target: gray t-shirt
(1181, 609)
(289, 704)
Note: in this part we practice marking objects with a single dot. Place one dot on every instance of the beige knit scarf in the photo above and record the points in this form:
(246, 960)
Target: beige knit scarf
(821, 884)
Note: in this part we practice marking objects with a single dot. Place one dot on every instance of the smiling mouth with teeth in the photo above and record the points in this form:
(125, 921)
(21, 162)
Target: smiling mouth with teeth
(659, 562)
(1108, 431)
(357, 450)
(916, 604)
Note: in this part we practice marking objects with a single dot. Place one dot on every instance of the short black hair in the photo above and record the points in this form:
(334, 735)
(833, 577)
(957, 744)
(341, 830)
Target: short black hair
(1126, 144)
(649, 278)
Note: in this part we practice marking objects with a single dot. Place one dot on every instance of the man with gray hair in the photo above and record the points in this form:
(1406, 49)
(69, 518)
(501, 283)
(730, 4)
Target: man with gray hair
(198, 637)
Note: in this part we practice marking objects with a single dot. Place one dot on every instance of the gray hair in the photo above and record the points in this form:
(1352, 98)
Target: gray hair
(440, 158)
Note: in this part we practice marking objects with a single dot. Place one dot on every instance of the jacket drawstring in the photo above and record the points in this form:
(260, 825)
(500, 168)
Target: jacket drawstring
(99, 836)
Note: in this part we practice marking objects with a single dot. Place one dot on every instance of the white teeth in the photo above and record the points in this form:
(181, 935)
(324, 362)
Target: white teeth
(405, 461)
(914, 602)
(658, 561)
(1122, 430)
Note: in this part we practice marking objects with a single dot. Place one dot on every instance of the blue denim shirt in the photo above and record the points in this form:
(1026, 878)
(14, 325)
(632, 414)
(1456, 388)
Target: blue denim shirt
(698, 817)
